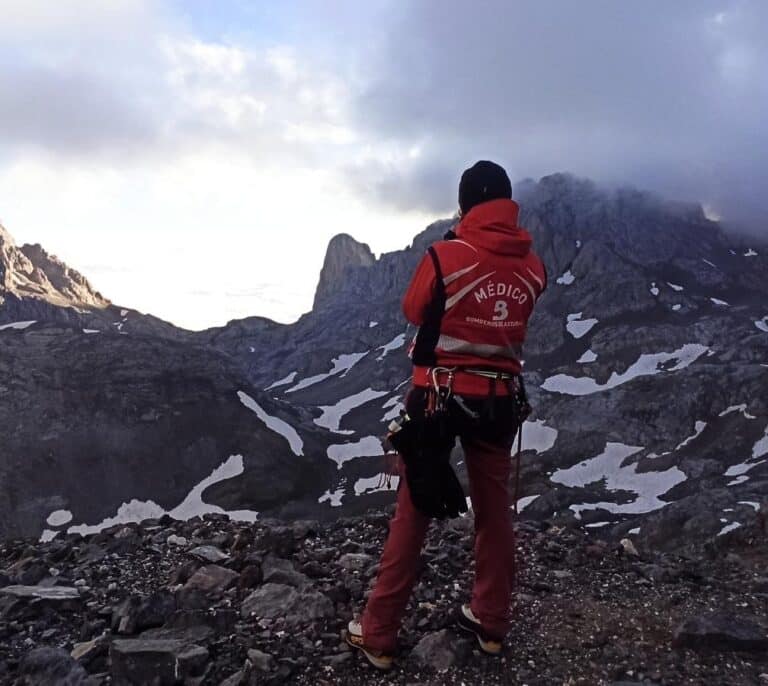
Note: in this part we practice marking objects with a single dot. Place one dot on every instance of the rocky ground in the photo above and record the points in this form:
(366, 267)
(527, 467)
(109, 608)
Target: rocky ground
(217, 602)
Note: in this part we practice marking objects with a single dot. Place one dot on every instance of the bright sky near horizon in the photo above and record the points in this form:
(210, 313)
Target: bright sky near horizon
(194, 158)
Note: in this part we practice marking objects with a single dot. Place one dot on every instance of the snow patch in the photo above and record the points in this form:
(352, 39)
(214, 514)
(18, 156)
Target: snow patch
(394, 411)
(577, 326)
(674, 286)
(587, 357)
(537, 436)
(698, 428)
(333, 498)
(341, 366)
(333, 414)
(192, 506)
(578, 244)
(676, 307)
(654, 289)
(91, 331)
(750, 253)
(737, 408)
(761, 447)
(132, 511)
(738, 480)
(372, 324)
(648, 364)
(635, 531)
(377, 483)
(728, 527)
(711, 264)
(761, 324)
(369, 446)
(607, 467)
(397, 342)
(566, 279)
(17, 325)
(281, 382)
(59, 518)
(717, 301)
(751, 503)
(741, 468)
(526, 500)
(274, 423)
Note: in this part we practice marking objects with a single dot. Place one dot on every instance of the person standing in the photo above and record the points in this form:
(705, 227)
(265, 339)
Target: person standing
(485, 280)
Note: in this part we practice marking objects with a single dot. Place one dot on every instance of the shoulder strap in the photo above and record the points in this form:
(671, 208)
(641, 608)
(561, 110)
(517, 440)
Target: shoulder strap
(429, 332)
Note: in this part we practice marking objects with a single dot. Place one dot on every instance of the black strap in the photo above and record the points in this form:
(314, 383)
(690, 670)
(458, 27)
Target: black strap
(429, 332)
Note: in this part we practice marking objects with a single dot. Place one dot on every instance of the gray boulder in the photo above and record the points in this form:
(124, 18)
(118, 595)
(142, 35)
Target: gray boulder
(722, 631)
(279, 600)
(51, 667)
(135, 662)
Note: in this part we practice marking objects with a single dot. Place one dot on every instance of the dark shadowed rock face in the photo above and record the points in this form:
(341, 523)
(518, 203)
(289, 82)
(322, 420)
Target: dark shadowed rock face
(343, 253)
(95, 423)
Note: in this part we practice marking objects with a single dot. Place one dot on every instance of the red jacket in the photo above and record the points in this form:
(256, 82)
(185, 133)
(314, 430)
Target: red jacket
(492, 281)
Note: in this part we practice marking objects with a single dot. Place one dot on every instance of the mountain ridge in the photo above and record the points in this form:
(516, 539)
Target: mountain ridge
(30, 271)
(654, 324)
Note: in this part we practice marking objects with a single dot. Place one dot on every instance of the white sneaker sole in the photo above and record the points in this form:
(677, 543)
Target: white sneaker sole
(355, 640)
(492, 648)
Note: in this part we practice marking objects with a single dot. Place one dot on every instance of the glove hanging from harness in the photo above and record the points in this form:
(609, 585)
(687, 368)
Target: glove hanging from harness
(424, 439)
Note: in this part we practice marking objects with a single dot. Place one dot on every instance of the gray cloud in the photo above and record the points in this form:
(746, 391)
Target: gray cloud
(70, 112)
(670, 96)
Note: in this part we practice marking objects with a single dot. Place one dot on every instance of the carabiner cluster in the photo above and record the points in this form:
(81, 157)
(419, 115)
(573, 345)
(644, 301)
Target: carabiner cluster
(440, 393)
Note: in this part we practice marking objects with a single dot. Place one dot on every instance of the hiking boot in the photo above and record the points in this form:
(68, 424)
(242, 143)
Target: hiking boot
(377, 658)
(466, 620)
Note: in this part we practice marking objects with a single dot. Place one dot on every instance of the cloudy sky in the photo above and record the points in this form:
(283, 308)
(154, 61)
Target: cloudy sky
(193, 158)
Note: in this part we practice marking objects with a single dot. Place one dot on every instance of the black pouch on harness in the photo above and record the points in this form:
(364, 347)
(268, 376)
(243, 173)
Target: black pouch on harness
(424, 441)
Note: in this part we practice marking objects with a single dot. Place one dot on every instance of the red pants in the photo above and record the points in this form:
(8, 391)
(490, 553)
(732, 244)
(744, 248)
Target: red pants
(488, 467)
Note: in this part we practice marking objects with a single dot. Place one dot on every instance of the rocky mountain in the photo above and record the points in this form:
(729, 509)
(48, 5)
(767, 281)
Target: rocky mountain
(30, 272)
(36, 286)
(108, 415)
(343, 253)
(646, 364)
(212, 601)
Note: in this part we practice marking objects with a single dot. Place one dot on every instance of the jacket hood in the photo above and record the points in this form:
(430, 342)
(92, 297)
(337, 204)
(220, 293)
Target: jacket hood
(493, 226)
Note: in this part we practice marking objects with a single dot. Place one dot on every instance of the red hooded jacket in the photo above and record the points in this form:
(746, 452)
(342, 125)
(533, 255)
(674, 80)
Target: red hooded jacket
(492, 281)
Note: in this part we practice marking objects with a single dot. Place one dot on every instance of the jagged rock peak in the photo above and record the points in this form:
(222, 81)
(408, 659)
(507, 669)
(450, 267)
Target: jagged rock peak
(31, 272)
(5, 237)
(343, 252)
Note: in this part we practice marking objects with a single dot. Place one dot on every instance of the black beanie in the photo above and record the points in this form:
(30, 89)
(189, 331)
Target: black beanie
(483, 181)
